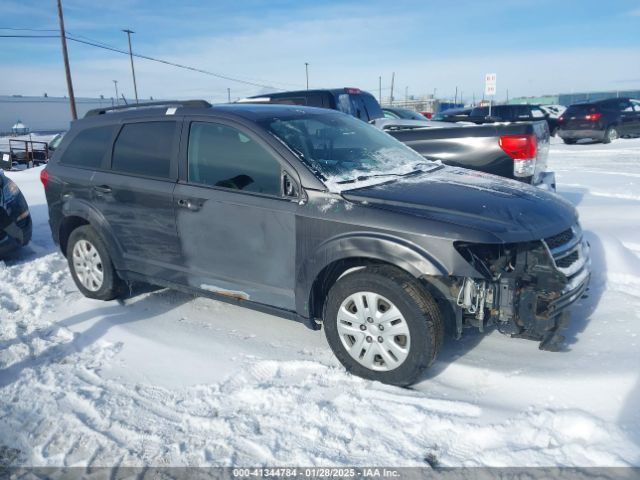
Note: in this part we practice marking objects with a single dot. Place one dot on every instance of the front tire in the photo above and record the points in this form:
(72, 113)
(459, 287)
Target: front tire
(91, 266)
(382, 325)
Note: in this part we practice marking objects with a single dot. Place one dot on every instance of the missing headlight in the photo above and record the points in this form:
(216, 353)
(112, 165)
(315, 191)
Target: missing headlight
(490, 260)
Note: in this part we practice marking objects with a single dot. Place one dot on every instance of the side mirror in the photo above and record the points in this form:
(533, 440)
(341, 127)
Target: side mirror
(288, 186)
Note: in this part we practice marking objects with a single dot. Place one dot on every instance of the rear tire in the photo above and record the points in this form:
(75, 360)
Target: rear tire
(569, 141)
(610, 135)
(413, 325)
(91, 266)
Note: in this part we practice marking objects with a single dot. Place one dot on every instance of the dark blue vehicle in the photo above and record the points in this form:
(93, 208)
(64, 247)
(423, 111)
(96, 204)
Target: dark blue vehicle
(15, 219)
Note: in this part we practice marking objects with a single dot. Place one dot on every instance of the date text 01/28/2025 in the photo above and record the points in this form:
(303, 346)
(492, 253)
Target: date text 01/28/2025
(316, 472)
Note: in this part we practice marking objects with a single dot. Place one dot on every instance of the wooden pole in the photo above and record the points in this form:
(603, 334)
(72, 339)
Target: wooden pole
(65, 55)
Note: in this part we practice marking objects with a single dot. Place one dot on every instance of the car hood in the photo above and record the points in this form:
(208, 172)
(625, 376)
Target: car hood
(510, 210)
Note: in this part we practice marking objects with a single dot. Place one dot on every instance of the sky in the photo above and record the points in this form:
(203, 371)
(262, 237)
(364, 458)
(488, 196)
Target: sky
(535, 47)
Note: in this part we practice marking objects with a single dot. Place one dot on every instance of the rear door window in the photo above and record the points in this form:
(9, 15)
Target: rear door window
(89, 148)
(222, 156)
(145, 148)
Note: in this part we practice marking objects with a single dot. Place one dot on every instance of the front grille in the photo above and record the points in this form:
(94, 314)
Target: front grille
(567, 251)
(559, 239)
(566, 262)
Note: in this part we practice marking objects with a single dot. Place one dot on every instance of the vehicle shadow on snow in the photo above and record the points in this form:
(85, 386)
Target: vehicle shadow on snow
(629, 416)
(141, 305)
(583, 309)
(574, 196)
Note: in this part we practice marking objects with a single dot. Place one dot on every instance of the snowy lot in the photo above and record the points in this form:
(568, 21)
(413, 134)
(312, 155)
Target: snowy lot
(169, 379)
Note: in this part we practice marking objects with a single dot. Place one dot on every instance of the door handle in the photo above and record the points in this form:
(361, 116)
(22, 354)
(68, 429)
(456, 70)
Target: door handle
(189, 204)
(102, 188)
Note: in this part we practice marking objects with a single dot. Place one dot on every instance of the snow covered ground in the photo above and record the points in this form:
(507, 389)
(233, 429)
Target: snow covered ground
(169, 379)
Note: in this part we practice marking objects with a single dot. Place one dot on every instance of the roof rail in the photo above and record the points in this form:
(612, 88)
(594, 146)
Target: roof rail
(166, 103)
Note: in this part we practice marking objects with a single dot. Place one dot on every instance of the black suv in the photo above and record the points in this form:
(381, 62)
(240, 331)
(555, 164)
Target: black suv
(605, 120)
(316, 216)
(349, 100)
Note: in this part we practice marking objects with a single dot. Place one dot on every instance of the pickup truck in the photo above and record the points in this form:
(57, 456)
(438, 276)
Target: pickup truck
(514, 150)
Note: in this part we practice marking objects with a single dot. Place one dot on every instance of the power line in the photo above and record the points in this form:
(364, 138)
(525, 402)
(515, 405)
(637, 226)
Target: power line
(109, 46)
(166, 62)
(145, 57)
(29, 36)
(30, 29)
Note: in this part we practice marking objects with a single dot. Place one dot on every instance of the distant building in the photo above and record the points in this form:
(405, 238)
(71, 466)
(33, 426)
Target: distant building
(543, 100)
(570, 98)
(43, 114)
(567, 99)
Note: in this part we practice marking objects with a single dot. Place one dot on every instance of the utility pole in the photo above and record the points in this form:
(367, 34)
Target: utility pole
(115, 82)
(507, 95)
(229, 95)
(65, 56)
(306, 70)
(406, 96)
(380, 89)
(455, 100)
(133, 72)
(393, 78)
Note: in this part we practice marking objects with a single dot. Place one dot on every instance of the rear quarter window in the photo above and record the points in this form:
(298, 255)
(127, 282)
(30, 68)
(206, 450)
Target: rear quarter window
(89, 147)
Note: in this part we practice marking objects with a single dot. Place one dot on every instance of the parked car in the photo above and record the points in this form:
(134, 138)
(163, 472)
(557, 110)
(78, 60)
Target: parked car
(15, 218)
(402, 113)
(513, 113)
(512, 151)
(604, 120)
(312, 215)
(352, 101)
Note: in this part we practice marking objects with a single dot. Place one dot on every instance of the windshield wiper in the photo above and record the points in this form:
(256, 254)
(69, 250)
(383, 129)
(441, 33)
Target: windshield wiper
(361, 178)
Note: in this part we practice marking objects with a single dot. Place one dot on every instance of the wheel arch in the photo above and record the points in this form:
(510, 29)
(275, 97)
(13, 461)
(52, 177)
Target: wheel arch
(76, 213)
(339, 255)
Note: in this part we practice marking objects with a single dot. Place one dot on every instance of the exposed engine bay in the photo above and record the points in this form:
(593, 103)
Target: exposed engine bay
(526, 287)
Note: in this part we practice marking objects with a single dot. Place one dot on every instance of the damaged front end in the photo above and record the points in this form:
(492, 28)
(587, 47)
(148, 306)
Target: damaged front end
(525, 288)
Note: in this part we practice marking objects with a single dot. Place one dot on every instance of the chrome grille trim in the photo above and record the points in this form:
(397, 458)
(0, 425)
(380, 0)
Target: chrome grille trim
(575, 246)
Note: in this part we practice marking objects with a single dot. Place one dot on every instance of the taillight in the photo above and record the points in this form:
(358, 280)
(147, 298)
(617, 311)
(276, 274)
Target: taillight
(593, 116)
(519, 147)
(44, 177)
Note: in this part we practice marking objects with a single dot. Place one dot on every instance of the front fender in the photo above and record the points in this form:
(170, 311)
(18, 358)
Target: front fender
(366, 245)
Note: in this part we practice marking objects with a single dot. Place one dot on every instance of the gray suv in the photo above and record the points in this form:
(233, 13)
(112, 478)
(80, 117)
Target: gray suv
(316, 216)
